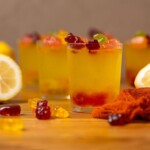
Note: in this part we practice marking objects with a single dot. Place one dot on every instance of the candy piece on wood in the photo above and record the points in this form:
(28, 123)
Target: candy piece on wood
(11, 124)
(10, 110)
(59, 112)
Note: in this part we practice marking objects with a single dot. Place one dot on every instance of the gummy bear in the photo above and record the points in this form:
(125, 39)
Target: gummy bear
(43, 113)
(117, 119)
(33, 102)
(10, 110)
(43, 110)
(61, 35)
(11, 124)
(59, 112)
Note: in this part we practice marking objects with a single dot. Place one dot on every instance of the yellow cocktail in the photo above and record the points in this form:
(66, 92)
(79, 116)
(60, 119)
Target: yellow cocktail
(28, 60)
(94, 72)
(53, 71)
(137, 55)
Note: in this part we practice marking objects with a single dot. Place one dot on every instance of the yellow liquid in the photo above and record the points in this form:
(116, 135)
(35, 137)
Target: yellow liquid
(29, 64)
(135, 59)
(94, 74)
(53, 71)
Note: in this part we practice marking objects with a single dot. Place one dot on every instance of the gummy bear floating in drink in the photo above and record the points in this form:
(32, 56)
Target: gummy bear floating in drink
(100, 41)
(55, 39)
(31, 38)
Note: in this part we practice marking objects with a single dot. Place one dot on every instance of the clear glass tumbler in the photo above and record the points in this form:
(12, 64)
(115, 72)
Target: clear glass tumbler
(53, 71)
(94, 77)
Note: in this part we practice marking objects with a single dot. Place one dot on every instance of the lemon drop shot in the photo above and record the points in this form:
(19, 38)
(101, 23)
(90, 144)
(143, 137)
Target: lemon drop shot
(94, 70)
(53, 71)
(28, 60)
(137, 55)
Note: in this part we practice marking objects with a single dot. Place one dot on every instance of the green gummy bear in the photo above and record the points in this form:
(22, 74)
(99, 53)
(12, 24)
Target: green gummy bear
(140, 33)
(100, 38)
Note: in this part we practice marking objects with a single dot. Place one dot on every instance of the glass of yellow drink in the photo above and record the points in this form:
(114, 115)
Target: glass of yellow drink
(53, 71)
(94, 71)
(137, 55)
(28, 60)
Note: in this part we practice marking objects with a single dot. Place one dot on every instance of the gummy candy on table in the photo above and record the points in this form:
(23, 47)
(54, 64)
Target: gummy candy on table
(33, 102)
(11, 124)
(10, 110)
(59, 112)
(43, 111)
(117, 119)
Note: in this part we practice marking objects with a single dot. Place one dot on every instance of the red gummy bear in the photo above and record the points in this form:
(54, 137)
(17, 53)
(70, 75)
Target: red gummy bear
(10, 110)
(43, 110)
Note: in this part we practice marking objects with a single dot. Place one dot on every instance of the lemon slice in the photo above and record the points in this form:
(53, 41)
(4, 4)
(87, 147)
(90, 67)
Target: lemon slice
(143, 77)
(10, 78)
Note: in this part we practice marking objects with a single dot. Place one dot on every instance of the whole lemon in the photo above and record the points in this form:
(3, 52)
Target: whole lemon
(6, 49)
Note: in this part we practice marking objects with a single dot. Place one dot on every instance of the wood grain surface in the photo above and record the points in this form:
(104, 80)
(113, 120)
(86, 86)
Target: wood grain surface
(79, 132)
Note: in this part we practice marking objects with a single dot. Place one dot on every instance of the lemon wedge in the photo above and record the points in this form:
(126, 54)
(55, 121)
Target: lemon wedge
(10, 78)
(143, 77)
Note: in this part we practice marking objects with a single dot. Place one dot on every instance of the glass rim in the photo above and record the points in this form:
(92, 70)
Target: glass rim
(120, 46)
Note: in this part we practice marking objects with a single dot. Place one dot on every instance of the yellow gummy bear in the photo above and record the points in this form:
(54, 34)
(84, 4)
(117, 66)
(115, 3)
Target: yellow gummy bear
(59, 112)
(33, 102)
(11, 124)
(61, 35)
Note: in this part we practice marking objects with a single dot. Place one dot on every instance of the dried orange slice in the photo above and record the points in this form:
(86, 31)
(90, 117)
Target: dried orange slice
(10, 78)
(143, 77)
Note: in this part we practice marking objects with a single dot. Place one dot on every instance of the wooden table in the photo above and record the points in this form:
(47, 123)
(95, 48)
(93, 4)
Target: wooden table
(79, 132)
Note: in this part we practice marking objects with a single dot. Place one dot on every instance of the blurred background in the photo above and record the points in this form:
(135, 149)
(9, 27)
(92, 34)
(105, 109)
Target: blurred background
(119, 17)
